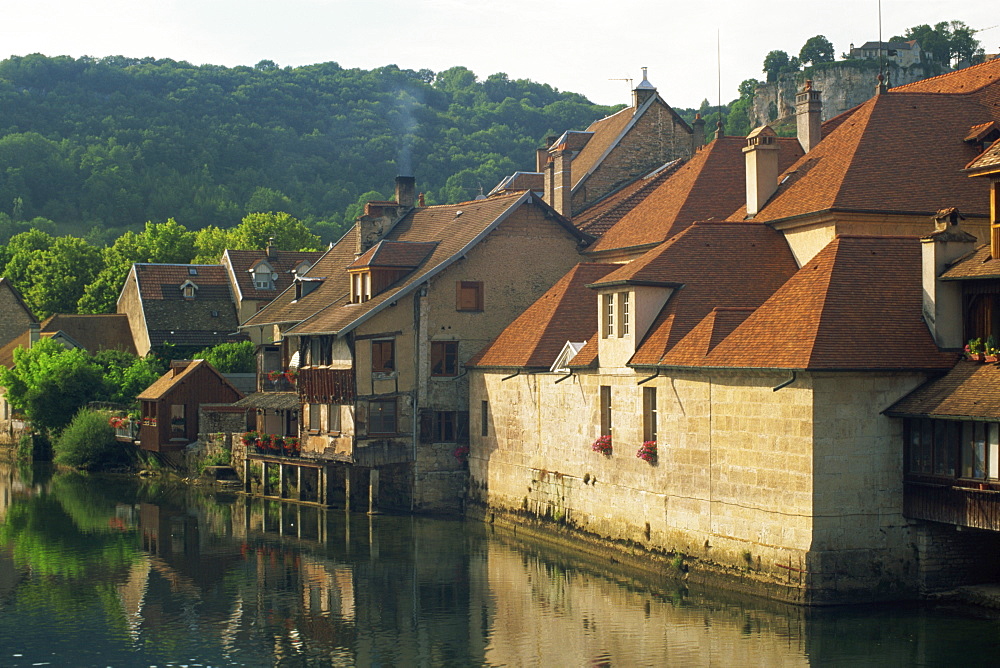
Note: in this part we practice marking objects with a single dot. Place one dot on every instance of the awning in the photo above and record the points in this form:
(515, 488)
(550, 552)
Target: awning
(970, 391)
(275, 401)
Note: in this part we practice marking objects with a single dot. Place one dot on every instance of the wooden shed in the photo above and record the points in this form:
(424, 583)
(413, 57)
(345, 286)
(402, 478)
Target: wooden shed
(170, 405)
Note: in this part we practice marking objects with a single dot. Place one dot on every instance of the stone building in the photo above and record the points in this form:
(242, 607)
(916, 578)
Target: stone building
(376, 335)
(579, 168)
(760, 361)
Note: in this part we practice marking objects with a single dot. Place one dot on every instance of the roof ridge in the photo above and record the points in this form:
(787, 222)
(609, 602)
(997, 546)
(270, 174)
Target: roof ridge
(900, 89)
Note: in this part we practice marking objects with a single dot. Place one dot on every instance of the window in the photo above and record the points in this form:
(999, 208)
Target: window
(188, 290)
(383, 356)
(953, 449)
(470, 296)
(444, 358)
(649, 414)
(314, 358)
(623, 315)
(361, 287)
(314, 417)
(333, 418)
(382, 417)
(444, 426)
(608, 303)
(484, 418)
(178, 423)
(605, 410)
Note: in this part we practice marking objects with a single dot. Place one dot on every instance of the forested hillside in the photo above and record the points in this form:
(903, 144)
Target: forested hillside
(98, 145)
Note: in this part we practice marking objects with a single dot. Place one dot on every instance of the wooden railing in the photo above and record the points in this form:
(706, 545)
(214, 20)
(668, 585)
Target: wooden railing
(961, 506)
(326, 386)
(277, 383)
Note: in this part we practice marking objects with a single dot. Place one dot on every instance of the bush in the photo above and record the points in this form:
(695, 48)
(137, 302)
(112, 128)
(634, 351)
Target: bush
(34, 447)
(89, 443)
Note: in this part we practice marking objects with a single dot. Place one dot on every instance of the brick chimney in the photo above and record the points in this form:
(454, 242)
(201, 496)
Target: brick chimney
(272, 250)
(698, 133)
(943, 299)
(406, 191)
(643, 91)
(761, 154)
(808, 116)
(562, 181)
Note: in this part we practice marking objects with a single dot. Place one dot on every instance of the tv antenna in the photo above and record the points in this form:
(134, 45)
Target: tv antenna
(628, 80)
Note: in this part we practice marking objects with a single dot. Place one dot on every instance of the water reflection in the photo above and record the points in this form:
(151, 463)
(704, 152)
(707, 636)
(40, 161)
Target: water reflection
(122, 572)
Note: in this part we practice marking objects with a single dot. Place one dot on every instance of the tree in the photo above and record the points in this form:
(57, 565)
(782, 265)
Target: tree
(817, 49)
(777, 63)
(236, 357)
(51, 383)
(57, 276)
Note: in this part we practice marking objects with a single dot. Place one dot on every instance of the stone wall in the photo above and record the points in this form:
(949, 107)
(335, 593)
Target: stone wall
(843, 88)
(950, 556)
(799, 488)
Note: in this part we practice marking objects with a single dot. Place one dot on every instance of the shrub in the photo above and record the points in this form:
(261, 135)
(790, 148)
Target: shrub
(89, 443)
(34, 447)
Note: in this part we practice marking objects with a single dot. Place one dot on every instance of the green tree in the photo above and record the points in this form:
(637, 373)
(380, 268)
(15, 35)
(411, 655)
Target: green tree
(817, 49)
(50, 383)
(777, 63)
(268, 199)
(209, 244)
(89, 443)
(20, 251)
(236, 357)
(288, 233)
(58, 275)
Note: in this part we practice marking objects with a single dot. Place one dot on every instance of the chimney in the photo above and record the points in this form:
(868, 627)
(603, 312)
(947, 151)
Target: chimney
(562, 181)
(943, 299)
(34, 333)
(720, 131)
(808, 116)
(420, 200)
(761, 154)
(643, 91)
(698, 135)
(406, 189)
(881, 86)
(272, 250)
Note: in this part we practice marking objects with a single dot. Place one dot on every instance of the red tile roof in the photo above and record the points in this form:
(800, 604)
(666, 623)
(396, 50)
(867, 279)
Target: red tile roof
(717, 265)
(967, 80)
(453, 227)
(174, 377)
(566, 312)
(402, 254)
(856, 305)
(970, 390)
(988, 162)
(94, 332)
(599, 217)
(163, 281)
(900, 152)
(283, 263)
(977, 264)
(711, 185)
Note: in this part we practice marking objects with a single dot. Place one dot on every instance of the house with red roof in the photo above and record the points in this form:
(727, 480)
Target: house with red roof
(774, 393)
(377, 332)
(580, 168)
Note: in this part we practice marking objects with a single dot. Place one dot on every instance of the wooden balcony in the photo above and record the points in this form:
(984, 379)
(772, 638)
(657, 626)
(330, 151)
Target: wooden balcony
(950, 504)
(319, 385)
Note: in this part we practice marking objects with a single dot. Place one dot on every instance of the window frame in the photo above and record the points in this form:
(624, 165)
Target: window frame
(623, 314)
(604, 405)
(333, 418)
(385, 415)
(463, 289)
(442, 352)
(314, 418)
(608, 315)
(379, 357)
(650, 414)
(484, 418)
(445, 428)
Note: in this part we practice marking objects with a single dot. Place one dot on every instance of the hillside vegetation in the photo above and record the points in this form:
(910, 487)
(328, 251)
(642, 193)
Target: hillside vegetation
(114, 142)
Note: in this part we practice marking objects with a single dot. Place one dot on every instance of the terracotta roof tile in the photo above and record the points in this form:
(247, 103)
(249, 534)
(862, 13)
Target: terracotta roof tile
(711, 185)
(283, 263)
(598, 218)
(94, 332)
(896, 153)
(566, 312)
(977, 264)
(606, 132)
(968, 390)
(987, 162)
(717, 265)
(967, 80)
(163, 281)
(404, 254)
(856, 305)
(162, 385)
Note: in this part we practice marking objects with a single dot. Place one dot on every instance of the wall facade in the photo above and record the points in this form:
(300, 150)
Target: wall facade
(130, 304)
(15, 318)
(798, 490)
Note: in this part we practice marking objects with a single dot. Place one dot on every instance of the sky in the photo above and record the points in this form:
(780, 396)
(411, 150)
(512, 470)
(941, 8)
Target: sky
(582, 46)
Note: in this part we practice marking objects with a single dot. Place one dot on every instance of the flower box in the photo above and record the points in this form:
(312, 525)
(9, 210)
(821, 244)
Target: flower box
(603, 445)
(647, 452)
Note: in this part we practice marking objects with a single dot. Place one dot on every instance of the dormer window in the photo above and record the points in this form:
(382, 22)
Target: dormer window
(301, 268)
(361, 286)
(188, 289)
(608, 311)
(263, 276)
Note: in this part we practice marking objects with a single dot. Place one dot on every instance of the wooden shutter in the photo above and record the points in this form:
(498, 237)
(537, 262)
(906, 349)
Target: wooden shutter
(426, 425)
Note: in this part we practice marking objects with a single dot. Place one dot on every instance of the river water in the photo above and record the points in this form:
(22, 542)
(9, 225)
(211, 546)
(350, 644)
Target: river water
(119, 572)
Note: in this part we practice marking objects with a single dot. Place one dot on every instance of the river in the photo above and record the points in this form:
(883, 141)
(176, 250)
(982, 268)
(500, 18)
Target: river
(124, 572)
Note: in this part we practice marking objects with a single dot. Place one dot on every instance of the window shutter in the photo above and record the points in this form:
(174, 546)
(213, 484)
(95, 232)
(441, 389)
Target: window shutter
(462, 428)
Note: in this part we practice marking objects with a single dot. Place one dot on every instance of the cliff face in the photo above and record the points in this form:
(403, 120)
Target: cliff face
(844, 87)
